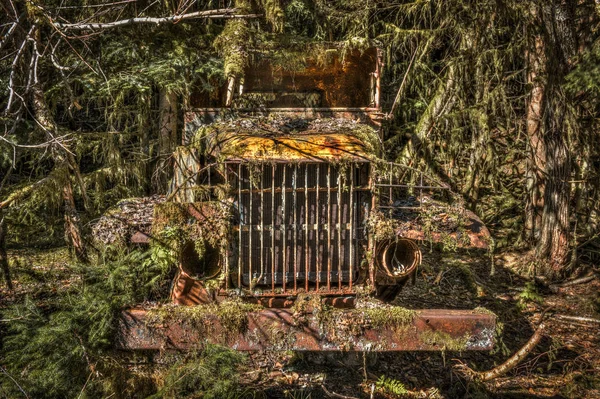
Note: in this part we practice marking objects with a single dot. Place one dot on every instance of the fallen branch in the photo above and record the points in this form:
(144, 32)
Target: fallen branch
(556, 287)
(173, 19)
(510, 363)
(577, 318)
(336, 395)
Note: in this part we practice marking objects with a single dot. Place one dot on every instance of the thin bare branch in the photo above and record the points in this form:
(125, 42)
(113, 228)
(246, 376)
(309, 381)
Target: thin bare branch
(12, 72)
(15, 381)
(401, 88)
(8, 34)
(218, 13)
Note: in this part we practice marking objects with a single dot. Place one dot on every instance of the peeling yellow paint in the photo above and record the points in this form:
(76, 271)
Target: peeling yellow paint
(324, 147)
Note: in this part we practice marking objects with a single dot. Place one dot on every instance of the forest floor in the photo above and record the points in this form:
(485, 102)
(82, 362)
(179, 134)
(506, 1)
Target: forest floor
(566, 362)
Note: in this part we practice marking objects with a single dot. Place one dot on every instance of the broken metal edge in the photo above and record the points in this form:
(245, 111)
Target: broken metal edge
(341, 330)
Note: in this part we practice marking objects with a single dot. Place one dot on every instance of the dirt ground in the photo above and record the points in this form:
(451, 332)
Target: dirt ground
(566, 362)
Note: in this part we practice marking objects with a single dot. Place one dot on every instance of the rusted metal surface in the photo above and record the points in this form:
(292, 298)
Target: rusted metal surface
(398, 257)
(406, 194)
(347, 78)
(345, 330)
(188, 291)
(339, 302)
(478, 234)
(198, 117)
(304, 234)
(305, 147)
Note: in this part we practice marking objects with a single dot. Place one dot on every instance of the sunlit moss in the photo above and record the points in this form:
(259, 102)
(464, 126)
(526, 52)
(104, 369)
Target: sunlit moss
(444, 341)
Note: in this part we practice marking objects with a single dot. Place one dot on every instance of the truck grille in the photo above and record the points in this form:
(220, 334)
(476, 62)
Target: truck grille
(300, 227)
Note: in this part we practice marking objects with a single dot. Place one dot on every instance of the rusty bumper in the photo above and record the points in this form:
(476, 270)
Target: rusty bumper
(344, 330)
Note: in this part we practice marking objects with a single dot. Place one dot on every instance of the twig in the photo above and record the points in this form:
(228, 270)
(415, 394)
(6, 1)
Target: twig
(173, 19)
(85, 385)
(577, 318)
(510, 363)
(400, 89)
(15, 381)
(336, 395)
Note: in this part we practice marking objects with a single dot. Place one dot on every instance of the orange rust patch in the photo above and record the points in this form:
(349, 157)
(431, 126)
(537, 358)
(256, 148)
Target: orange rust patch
(317, 147)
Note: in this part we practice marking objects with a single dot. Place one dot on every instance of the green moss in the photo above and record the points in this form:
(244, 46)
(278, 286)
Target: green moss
(381, 227)
(231, 44)
(483, 310)
(389, 316)
(206, 224)
(444, 341)
(232, 316)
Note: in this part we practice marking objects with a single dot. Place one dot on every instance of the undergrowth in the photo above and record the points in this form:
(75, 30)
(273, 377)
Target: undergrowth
(212, 373)
(61, 346)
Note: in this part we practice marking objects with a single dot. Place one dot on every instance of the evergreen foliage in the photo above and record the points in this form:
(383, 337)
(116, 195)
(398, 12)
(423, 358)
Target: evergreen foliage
(62, 346)
(461, 116)
(210, 373)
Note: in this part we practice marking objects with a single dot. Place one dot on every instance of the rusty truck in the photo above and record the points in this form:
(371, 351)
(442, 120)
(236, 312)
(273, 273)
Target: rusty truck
(288, 228)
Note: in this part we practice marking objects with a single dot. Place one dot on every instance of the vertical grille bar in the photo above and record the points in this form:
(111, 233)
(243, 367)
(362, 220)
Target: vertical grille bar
(227, 249)
(283, 228)
(262, 223)
(306, 241)
(317, 235)
(239, 182)
(295, 224)
(391, 188)
(329, 226)
(351, 237)
(250, 225)
(273, 211)
(339, 229)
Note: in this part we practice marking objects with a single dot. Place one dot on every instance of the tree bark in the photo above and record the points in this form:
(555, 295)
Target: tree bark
(167, 138)
(535, 181)
(168, 122)
(3, 254)
(60, 155)
(548, 207)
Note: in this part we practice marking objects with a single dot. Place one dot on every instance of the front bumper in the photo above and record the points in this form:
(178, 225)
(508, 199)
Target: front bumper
(337, 330)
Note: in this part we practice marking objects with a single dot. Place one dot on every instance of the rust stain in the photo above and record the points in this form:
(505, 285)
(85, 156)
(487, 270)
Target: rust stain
(280, 329)
(188, 291)
(322, 147)
(478, 234)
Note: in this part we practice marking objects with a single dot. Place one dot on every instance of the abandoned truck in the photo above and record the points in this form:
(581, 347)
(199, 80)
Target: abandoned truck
(290, 232)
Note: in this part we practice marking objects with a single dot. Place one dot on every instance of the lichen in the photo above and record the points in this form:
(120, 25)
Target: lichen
(381, 227)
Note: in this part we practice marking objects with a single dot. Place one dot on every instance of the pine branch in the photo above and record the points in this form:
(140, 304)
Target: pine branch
(173, 19)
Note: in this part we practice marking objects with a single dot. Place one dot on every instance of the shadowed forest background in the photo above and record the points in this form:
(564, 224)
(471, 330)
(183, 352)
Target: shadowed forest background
(497, 99)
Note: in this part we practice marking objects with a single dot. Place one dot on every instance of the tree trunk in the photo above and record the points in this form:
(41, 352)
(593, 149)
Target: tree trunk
(167, 138)
(548, 207)
(3, 254)
(72, 229)
(535, 181)
(441, 103)
(553, 245)
(168, 122)
(60, 156)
